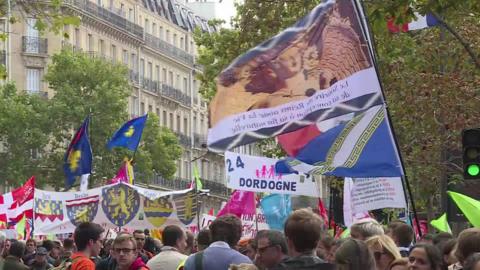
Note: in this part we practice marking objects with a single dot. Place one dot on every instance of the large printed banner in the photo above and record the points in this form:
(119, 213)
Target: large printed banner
(361, 195)
(249, 224)
(318, 69)
(258, 174)
(113, 206)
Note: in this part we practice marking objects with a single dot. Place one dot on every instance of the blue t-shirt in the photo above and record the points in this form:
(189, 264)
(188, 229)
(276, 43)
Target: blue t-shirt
(218, 256)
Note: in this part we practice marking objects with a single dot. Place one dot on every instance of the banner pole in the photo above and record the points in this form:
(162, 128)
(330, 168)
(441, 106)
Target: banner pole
(371, 40)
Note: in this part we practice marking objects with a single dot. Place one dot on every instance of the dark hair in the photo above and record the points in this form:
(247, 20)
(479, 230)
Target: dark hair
(171, 234)
(327, 241)
(48, 245)
(433, 255)
(150, 245)
(68, 243)
(354, 254)
(85, 232)
(472, 261)
(468, 243)
(190, 238)
(227, 228)
(17, 249)
(274, 238)
(304, 228)
(204, 238)
(427, 237)
(439, 238)
(402, 232)
(146, 232)
(138, 231)
(31, 240)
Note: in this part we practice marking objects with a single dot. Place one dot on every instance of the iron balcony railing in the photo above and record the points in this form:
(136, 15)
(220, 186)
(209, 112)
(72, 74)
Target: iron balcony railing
(108, 16)
(199, 140)
(185, 140)
(169, 49)
(150, 85)
(133, 75)
(35, 45)
(174, 93)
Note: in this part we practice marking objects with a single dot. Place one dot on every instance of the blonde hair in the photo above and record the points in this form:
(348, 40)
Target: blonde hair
(242, 266)
(384, 242)
(124, 238)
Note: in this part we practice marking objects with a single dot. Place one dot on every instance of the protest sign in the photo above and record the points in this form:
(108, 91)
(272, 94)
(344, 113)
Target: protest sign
(249, 224)
(365, 194)
(257, 174)
(113, 206)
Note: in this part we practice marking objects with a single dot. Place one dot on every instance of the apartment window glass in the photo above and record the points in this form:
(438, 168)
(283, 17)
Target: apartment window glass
(185, 125)
(33, 46)
(160, 32)
(101, 47)
(174, 39)
(78, 40)
(171, 121)
(181, 42)
(170, 79)
(195, 123)
(185, 85)
(178, 123)
(90, 43)
(147, 26)
(157, 111)
(142, 67)
(164, 118)
(164, 75)
(201, 125)
(134, 62)
(177, 81)
(135, 106)
(157, 73)
(130, 14)
(125, 57)
(33, 80)
(113, 52)
(150, 108)
(186, 169)
(154, 29)
(142, 108)
(168, 36)
(149, 71)
(99, 2)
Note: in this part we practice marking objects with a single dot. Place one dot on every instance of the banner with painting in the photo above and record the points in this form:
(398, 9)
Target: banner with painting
(113, 206)
(251, 224)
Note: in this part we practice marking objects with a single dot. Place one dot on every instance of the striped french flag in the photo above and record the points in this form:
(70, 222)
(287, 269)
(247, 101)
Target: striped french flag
(421, 21)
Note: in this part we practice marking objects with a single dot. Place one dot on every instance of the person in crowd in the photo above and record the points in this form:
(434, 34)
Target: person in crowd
(29, 256)
(140, 238)
(447, 251)
(6, 248)
(441, 238)
(107, 246)
(13, 261)
(54, 254)
(190, 243)
(204, 239)
(271, 248)
(226, 232)
(333, 250)
(325, 246)
(3, 239)
(384, 251)
(242, 266)
(365, 228)
(472, 262)
(150, 246)
(88, 239)
(40, 260)
(424, 257)
(402, 235)
(108, 262)
(354, 254)
(468, 242)
(171, 254)
(247, 247)
(302, 231)
(427, 239)
(399, 264)
(125, 248)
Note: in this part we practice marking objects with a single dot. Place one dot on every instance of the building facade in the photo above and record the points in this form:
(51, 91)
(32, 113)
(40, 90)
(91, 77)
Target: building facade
(154, 39)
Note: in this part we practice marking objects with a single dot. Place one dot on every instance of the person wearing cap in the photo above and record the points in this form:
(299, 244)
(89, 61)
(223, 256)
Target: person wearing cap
(40, 262)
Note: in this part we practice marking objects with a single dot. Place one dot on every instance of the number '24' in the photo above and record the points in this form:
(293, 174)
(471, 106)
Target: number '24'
(239, 164)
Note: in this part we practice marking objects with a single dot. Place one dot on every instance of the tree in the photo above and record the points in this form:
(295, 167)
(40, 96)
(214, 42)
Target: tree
(429, 77)
(23, 133)
(85, 85)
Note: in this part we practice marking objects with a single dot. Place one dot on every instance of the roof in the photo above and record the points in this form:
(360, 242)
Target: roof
(178, 14)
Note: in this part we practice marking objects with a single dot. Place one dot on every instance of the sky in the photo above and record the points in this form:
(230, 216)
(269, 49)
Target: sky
(226, 10)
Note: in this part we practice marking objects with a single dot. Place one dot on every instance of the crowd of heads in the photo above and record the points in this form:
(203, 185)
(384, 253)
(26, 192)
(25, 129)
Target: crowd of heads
(370, 246)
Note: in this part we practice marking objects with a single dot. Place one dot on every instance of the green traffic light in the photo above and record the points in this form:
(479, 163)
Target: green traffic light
(473, 170)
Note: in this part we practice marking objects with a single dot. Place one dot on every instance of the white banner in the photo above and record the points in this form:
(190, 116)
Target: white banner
(113, 206)
(249, 225)
(365, 194)
(258, 174)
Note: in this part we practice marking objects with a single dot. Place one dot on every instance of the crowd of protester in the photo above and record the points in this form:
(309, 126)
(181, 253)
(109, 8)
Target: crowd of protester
(304, 244)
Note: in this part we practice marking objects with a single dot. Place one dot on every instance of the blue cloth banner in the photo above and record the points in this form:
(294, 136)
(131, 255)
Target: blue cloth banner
(276, 208)
(129, 134)
(78, 158)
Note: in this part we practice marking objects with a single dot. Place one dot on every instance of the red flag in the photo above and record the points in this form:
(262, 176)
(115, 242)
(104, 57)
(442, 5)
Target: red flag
(322, 211)
(240, 203)
(294, 141)
(22, 202)
(211, 212)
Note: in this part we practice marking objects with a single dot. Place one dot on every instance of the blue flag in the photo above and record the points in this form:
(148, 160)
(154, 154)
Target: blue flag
(276, 208)
(360, 147)
(78, 158)
(129, 134)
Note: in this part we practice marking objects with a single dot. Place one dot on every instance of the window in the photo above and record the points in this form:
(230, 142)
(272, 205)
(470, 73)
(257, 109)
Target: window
(78, 40)
(142, 108)
(125, 57)
(130, 14)
(181, 43)
(185, 125)
(113, 52)
(157, 111)
(135, 106)
(122, 7)
(185, 85)
(90, 43)
(171, 121)
(160, 32)
(99, 2)
(177, 81)
(142, 67)
(178, 123)
(101, 47)
(186, 169)
(150, 108)
(147, 26)
(170, 79)
(149, 71)
(33, 80)
(134, 62)
(157, 73)
(186, 43)
(195, 123)
(164, 118)
(168, 36)
(164, 75)
(154, 29)
(33, 46)
(175, 40)
(201, 125)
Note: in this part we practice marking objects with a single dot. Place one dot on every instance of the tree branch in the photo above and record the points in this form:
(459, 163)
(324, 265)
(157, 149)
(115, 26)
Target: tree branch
(464, 43)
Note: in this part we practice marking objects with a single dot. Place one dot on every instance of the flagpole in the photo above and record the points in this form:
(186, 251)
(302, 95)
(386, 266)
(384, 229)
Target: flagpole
(369, 35)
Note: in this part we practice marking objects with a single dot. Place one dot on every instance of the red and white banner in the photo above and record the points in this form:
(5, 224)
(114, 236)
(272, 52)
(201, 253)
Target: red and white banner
(15, 204)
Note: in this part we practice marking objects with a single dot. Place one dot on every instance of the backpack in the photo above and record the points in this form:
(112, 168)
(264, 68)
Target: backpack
(65, 265)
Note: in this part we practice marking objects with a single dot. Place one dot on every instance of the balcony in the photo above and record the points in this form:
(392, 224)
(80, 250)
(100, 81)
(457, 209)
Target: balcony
(169, 50)
(133, 75)
(199, 140)
(34, 45)
(108, 16)
(174, 93)
(150, 85)
(185, 140)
